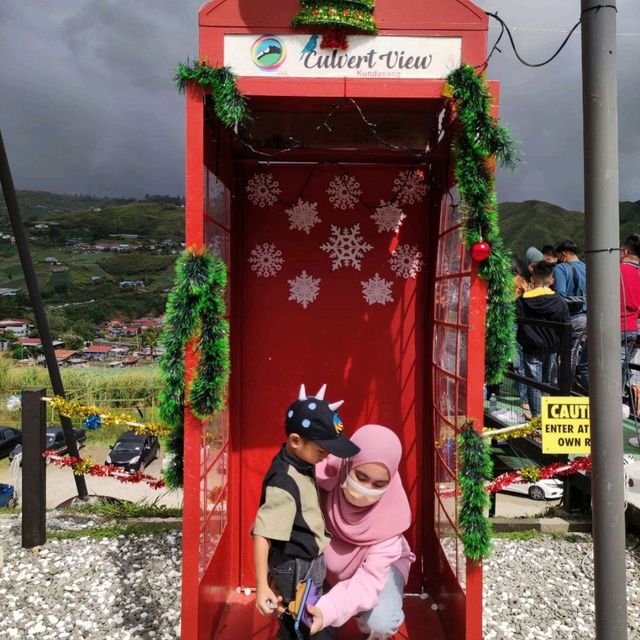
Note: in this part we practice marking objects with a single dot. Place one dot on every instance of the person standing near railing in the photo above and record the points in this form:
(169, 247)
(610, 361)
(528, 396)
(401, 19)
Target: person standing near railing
(570, 281)
(629, 306)
(540, 344)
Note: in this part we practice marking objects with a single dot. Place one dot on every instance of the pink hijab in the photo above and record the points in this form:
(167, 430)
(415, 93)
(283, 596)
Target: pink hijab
(391, 515)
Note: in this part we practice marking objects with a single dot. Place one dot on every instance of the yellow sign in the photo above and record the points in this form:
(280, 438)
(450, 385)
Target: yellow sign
(565, 425)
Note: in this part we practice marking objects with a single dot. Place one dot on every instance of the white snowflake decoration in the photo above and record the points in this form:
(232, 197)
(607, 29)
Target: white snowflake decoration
(303, 216)
(346, 246)
(406, 261)
(266, 260)
(263, 190)
(344, 192)
(377, 290)
(410, 186)
(388, 216)
(304, 289)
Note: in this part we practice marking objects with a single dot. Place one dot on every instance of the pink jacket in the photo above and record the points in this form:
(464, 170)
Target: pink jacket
(357, 587)
(360, 592)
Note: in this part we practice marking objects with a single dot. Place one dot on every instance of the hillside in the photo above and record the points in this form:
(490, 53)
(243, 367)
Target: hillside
(81, 285)
(536, 223)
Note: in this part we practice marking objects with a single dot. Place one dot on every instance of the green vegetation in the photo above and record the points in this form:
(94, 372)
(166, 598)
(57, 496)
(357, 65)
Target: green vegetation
(113, 531)
(83, 288)
(122, 510)
(133, 391)
(536, 223)
(532, 534)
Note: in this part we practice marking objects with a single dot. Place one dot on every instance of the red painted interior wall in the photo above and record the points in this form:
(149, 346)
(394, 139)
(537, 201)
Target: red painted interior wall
(370, 355)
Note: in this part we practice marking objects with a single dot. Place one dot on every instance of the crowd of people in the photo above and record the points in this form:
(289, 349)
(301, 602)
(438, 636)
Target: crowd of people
(551, 287)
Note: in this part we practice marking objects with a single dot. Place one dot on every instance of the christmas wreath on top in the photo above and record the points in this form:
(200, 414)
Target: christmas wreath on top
(195, 310)
(335, 19)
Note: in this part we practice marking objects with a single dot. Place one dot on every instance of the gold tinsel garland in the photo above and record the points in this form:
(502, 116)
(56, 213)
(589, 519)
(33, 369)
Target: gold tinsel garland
(96, 417)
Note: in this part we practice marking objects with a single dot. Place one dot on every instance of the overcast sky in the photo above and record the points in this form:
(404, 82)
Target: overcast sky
(87, 104)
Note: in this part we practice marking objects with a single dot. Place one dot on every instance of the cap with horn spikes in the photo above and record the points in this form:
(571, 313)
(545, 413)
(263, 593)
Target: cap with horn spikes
(316, 419)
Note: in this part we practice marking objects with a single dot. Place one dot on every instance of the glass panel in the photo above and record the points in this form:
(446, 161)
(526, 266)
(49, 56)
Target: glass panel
(440, 260)
(216, 481)
(452, 252)
(462, 354)
(440, 299)
(465, 295)
(447, 537)
(216, 434)
(215, 526)
(446, 444)
(445, 399)
(448, 360)
(462, 404)
(466, 260)
(217, 208)
(451, 297)
(218, 241)
(454, 215)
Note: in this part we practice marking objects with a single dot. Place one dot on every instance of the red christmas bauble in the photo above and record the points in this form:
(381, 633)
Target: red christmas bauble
(480, 251)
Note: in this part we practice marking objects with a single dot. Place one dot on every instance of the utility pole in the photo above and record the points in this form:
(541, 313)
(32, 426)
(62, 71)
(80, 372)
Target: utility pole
(602, 233)
(42, 322)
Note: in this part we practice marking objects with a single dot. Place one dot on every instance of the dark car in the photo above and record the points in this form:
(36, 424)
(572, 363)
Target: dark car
(9, 438)
(55, 441)
(133, 452)
(8, 497)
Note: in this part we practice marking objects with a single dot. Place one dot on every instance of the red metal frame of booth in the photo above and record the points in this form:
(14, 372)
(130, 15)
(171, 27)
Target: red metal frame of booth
(206, 590)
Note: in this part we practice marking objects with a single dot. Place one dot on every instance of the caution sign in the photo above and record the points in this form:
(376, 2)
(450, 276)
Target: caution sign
(565, 425)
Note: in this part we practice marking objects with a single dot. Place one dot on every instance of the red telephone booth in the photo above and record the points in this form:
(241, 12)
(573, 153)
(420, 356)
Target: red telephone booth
(336, 215)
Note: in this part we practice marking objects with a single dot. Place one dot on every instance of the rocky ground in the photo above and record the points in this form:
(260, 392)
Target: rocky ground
(128, 587)
(117, 588)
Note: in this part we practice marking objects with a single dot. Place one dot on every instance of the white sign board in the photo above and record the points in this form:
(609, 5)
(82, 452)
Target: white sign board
(300, 56)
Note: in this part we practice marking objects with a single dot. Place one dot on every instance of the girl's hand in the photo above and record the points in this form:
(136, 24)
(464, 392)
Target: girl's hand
(317, 619)
(267, 602)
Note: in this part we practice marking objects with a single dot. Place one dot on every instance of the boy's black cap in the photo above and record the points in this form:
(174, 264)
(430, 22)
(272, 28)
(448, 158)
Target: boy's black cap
(314, 418)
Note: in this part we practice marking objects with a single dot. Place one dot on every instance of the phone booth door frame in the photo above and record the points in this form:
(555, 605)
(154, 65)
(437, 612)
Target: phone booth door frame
(212, 175)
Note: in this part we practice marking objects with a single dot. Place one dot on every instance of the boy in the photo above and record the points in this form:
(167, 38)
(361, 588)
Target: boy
(289, 534)
(539, 344)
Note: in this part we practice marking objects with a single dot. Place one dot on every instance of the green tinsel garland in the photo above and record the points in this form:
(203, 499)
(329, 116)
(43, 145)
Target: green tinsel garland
(195, 307)
(353, 15)
(476, 468)
(229, 104)
(478, 140)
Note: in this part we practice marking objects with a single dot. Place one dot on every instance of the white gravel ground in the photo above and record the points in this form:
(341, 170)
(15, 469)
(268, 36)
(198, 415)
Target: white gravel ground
(129, 588)
(109, 589)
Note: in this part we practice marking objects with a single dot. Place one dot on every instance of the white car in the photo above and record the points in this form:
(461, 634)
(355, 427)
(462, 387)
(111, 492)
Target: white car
(542, 490)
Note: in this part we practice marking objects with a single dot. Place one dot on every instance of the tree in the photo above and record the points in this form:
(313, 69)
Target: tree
(71, 340)
(150, 338)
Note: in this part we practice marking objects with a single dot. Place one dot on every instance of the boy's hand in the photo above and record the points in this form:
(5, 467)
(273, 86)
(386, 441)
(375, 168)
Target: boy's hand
(317, 619)
(268, 602)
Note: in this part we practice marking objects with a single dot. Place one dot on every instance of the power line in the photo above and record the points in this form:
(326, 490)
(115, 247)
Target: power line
(505, 29)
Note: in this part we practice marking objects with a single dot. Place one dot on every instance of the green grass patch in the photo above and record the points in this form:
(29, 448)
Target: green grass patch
(122, 510)
(112, 531)
(532, 534)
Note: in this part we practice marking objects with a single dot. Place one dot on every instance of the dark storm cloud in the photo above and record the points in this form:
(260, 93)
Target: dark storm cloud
(87, 103)
(543, 107)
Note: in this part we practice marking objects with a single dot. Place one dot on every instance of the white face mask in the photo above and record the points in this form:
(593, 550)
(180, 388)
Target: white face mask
(360, 496)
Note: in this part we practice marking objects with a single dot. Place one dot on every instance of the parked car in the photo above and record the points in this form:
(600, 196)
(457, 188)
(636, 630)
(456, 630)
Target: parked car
(55, 441)
(9, 438)
(8, 497)
(133, 452)
(506, 458)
